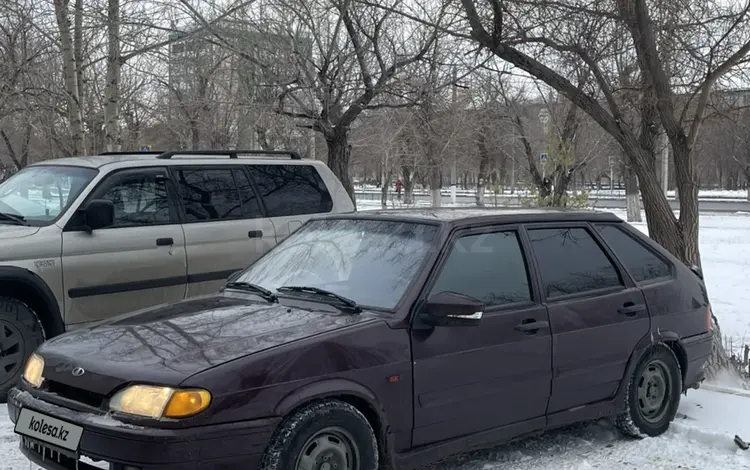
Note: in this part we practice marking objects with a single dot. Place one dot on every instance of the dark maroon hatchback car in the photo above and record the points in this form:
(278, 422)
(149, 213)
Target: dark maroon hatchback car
(381, 338)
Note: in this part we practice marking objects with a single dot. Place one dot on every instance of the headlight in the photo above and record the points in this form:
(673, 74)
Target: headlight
(33, 371)
(160, 402)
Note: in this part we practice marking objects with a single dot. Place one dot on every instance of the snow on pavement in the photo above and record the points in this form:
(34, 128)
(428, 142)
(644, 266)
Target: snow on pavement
(701, 436)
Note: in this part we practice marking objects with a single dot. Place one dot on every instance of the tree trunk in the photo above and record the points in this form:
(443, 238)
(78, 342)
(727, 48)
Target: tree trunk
(408, 183)
(561, 181)
(385, 180)
(339, 156)
(436, 184)
(112, 135)
(632, 195)
(70, 76)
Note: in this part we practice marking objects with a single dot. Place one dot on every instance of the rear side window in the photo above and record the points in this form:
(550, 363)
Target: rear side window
(489, 267)
(208, 194)
(291, 189)
(571, 262)
(639, 260)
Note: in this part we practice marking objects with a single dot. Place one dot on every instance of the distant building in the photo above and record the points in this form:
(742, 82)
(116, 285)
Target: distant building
(234, 67)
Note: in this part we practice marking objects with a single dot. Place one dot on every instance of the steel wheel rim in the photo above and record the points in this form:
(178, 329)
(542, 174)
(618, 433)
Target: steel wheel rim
(11, 350)
(654, 386)
(331, 448)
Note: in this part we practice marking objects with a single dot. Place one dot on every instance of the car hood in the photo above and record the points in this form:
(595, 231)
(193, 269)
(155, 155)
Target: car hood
(15, 231)
(169, 343)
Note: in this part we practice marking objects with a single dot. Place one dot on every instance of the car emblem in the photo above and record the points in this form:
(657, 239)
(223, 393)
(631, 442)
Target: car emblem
(78, 371)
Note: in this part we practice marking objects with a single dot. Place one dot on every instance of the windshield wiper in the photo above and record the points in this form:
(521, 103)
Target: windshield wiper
(255, 289)
(19, 220)
(322, 292)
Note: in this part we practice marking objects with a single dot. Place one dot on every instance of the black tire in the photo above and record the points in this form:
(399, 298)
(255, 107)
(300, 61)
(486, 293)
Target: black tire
(653, 394)
(20, 335)
(323, 431)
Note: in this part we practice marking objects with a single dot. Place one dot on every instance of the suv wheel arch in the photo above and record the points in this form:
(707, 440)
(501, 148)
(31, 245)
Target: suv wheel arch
(25, 286)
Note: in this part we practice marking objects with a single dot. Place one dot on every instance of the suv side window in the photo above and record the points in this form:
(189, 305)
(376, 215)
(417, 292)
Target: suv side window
(291, 189)
(489, 267)
(140, 198)
(208, 194)
(640, 261)
(250, 204)
(572, 262)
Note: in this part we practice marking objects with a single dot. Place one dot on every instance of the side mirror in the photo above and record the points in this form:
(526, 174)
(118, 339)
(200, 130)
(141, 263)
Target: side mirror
(99, 213)
(452, 309)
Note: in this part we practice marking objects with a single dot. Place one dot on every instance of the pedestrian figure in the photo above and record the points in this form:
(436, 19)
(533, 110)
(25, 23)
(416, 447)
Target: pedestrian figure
(398, 189)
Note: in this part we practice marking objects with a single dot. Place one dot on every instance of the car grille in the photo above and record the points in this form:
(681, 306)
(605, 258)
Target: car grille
(80, 395)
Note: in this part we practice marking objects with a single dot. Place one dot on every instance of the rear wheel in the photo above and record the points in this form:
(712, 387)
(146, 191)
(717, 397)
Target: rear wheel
(324, 435)
(20, 335)
(653, 394)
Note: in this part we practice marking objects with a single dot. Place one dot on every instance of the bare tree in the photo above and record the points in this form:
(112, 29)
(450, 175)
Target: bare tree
(354, 63)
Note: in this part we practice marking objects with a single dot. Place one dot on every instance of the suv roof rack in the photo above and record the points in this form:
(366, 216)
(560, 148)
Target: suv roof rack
(134, 152)
(230, 153)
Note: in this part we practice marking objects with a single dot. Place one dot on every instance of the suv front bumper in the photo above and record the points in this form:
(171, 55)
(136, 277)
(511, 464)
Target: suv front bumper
(125, 447)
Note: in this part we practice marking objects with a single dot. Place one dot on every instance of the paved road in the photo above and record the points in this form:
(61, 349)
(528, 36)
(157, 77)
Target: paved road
(705, 205)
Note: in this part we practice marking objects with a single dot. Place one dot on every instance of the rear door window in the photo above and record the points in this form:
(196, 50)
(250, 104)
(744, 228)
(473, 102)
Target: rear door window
(641, 262)
(208, 194)
(572, 262)
(289, 190)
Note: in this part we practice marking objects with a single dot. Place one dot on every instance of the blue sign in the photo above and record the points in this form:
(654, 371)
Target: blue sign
(543, 157)
(146, 148)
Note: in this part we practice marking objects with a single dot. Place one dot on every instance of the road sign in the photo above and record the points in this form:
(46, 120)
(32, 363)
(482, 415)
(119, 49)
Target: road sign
(146, 148)
(543, 157)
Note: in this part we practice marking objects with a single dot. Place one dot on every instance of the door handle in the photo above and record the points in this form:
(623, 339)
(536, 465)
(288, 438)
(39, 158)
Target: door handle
(630, 309)
(164, 241)
(531, 326)
(255, 234)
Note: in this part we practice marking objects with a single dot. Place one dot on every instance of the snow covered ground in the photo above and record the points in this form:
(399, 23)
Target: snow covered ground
(701, 436)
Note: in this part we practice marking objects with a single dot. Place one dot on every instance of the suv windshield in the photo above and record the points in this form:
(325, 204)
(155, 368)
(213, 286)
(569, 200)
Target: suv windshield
(39, 194)
(371, 262)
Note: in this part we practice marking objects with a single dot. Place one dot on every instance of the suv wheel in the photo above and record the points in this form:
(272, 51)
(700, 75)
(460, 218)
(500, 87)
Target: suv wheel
(20, 335)
(653, 395)
(324, 435)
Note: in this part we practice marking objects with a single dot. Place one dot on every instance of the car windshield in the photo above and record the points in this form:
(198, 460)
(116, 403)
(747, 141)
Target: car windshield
(38, 194)
(371, 262)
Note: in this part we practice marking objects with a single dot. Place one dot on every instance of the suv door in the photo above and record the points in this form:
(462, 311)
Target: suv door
(469, 379)
(137, 262)
(225, 227)
(292, 193)
(597, 314)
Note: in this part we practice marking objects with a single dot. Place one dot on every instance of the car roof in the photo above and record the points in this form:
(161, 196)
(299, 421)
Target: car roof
(149, 159)
(473, 215)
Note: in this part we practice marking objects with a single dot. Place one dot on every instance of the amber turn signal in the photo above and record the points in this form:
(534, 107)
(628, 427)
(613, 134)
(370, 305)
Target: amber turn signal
(185, 403)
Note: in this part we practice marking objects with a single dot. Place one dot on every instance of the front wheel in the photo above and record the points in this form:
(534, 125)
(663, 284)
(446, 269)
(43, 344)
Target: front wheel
(324, 435)
(653, 395)
(20, 335)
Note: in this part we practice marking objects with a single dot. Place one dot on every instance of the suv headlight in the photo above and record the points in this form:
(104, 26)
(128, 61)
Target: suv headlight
(32, 373)
(160, 402)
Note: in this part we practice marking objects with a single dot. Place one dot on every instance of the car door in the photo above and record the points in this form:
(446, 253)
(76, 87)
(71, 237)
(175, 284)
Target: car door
(470, 379)
(224, 224)
(597, 314)
(137, 262)
(292, 193)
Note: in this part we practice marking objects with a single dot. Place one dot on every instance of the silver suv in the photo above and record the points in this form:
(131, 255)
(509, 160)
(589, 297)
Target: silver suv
(84, 239)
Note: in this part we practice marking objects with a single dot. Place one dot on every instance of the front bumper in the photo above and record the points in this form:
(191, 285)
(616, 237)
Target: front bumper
(222, 446)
